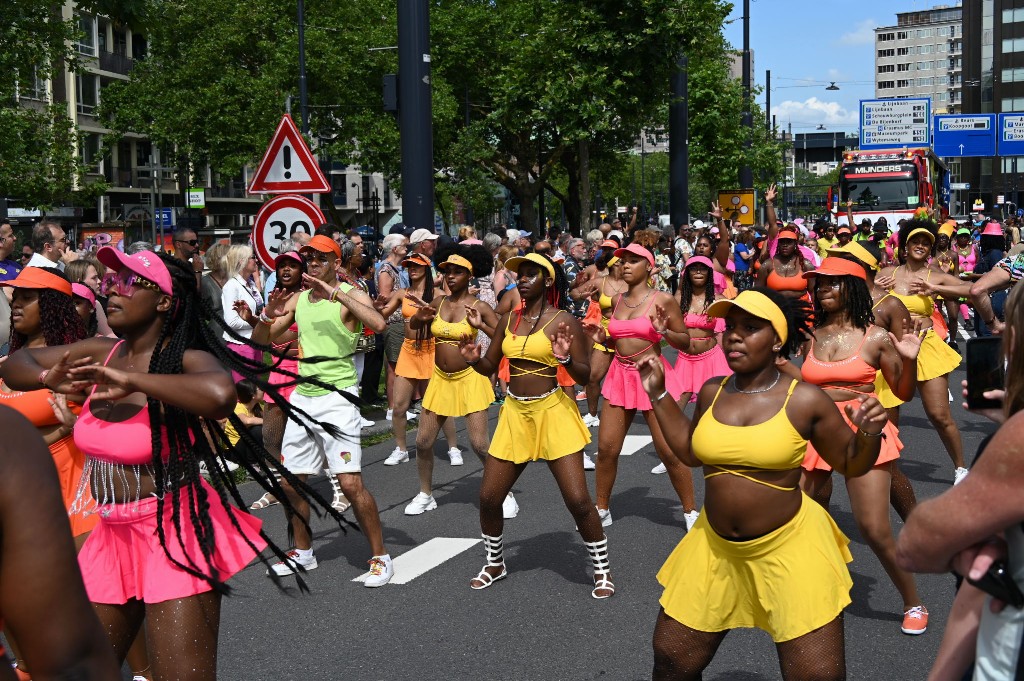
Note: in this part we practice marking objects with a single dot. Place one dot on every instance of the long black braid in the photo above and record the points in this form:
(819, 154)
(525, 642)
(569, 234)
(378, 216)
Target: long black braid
(58, 321)
(854, 298)
(192, 325)
(798, 317)
(686, 289)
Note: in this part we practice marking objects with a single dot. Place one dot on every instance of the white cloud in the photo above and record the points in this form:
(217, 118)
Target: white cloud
(812, 112)
(862, 34)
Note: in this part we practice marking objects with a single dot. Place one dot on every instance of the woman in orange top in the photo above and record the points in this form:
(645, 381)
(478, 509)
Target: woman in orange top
(784, 272)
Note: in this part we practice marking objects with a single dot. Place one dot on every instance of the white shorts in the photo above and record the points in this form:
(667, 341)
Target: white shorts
(306, 454)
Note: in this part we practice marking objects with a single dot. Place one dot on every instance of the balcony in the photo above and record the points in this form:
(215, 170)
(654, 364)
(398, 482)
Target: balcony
(114, 62)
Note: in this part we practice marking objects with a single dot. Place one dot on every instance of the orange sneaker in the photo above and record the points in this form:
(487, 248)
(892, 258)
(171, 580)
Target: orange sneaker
(915, 621)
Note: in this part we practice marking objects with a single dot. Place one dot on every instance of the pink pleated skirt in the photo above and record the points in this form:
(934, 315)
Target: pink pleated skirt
(122, 559)
(623, 387)
(693, 371)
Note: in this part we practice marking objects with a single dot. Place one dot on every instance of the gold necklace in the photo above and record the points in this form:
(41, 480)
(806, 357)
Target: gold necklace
(642, 301)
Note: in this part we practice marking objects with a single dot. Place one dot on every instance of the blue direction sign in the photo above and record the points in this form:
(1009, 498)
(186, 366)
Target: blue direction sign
(887, 123)
(1011, 134)
(965, 135)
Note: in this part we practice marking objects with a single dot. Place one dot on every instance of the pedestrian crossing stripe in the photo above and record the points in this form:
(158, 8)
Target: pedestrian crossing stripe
(634, 443)
(425, 557)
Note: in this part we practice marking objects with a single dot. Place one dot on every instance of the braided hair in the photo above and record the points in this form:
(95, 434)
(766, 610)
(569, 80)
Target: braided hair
(918, 222)
(191, 325)
(798, 318)
(58, 320)
(686, 289)
(556, 295)
(854, 298)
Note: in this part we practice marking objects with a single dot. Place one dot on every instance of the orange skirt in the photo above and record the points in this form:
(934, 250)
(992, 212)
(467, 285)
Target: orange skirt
(70, 462)
(891, 443)
(416, 360)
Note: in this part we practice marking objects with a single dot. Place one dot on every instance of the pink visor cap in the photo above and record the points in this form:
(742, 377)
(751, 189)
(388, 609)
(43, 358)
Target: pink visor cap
(636, 249)
(146, 264)
(83, 291)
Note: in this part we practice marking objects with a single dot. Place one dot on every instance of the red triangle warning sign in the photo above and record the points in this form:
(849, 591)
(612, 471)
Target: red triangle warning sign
(288, 165)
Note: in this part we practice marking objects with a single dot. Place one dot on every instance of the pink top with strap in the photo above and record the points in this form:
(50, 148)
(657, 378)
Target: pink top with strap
(128, 442)
(638, 327)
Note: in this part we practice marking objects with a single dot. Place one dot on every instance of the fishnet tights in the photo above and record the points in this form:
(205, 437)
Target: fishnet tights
(682, 653)
(901, 492)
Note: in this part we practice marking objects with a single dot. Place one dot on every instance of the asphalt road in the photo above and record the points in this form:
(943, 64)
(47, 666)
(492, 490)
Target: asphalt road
(541, 622)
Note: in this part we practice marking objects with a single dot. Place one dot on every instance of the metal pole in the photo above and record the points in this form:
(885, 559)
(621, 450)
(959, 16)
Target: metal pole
(678, 159)
(746, 174)
(469, 206)
(303, 102)
(643, 169)
(414, 114)
(768, 99)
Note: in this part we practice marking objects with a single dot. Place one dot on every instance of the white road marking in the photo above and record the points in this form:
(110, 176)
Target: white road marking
(634, 443)
(425, 557)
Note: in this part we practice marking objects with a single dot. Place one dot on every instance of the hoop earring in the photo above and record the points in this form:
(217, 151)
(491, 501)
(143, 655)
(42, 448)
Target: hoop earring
(776, 348)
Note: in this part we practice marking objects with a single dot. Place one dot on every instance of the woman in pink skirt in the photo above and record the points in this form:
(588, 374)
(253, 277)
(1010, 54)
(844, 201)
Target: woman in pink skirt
(641, 318)
(167, 540)
(703, 358)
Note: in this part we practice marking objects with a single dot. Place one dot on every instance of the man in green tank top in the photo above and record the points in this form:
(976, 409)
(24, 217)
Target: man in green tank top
(330, 316)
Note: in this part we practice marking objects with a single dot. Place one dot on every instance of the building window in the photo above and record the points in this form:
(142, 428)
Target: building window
(902, 51)
(1012, 104)
(887, 68)
(86, 35)
(925, 65)
(885, 37)
(887, 53)
(942, 30)
(1013, 45)
(143, 151)
(1013, 15)
(943, 96)
(886, 85)
(901, 35)
(91, 152)
(921, 82)
(903, 67)
(88, 93)
(903, 83)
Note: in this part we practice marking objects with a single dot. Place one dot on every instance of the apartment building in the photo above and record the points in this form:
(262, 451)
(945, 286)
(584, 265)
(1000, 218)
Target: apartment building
(144, 192)
(921, 56)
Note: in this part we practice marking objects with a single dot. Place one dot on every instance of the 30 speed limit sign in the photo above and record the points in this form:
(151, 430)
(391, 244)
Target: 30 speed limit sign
(279, 219)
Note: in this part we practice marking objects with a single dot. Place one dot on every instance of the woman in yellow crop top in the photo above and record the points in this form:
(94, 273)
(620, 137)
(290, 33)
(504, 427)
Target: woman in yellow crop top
(538, 421)
(454, 389)
(600, 282)
(415, 363)
(761, 554)
(913, 282)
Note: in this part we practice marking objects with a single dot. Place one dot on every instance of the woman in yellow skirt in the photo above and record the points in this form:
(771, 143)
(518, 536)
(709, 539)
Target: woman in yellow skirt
(454, 388)
(761, 554)
(538, 421)
(915, 283)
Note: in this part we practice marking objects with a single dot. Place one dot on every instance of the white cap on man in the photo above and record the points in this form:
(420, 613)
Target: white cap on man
(512, 234)
(698, 224)
(421, 235)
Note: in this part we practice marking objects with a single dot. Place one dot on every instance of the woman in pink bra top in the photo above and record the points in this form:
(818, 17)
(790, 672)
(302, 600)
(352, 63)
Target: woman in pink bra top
(641, 317)
(166, 541)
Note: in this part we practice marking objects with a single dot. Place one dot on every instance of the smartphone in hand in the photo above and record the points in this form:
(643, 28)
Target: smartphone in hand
(986, 370)
(999, 583)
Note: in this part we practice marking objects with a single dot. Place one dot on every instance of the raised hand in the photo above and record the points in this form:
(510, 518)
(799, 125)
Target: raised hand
(562, 342)
(886, 282)
(595, 331)
(58, 378)
(469, 349)
(659, 318)
(111, 384)
(909, 345)
(277, 302)
(652, 375)
(771, 193)
(380, 301)
(916, 285)
(322, 287)
(242, 309)
(868, 416)
(59, 404)
(473, 317)
(716, 210)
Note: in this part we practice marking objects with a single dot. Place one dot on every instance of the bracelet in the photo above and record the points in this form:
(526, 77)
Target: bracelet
(265, 319)
(660, 397)
(42, 376)
(564, 361)
(474, 362)
(867, 434)
(334, 294)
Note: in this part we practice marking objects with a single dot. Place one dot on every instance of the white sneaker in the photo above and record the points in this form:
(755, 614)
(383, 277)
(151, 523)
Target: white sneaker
(509, 507)
(288, 567)
(387, 417)
(420, 504)
(396, 457)
(588, 463)
(455, 456)
(691, 518)
(659, 469)
(605, 515)
(365, 423)
(591, 421)
(959, 475)
(382, 569)
(411, 416)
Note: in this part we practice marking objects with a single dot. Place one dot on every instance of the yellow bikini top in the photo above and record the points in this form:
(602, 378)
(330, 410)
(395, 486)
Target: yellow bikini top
(533, 347)
(450, 332)
(918, 304)
(603, 300)
(773, 445)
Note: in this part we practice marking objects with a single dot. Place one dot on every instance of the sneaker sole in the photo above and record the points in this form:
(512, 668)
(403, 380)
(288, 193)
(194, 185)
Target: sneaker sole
(458, 462)
(290, 572)
(375, 585)
(388, 462)
(429, 507)
(913, 632)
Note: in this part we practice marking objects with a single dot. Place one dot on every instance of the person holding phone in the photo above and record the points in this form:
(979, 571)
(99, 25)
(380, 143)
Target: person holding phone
(939, 537)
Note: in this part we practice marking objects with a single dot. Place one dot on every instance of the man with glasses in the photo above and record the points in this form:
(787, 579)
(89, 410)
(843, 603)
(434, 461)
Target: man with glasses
(9, 268)
(186, 247)
(49, 244)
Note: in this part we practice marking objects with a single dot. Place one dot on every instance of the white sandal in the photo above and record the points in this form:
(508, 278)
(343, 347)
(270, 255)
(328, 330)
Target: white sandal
(598, 551)
(494, 559)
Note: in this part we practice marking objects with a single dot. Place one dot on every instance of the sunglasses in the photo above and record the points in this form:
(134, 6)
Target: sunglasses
(123, 281)
(26, 256)
(190, 242)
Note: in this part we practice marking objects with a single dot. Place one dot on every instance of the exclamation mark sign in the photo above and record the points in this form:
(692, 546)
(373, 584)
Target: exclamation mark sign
(287, 162)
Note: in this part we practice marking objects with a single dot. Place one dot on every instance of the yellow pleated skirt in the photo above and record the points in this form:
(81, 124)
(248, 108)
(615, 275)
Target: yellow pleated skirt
(532, 430)
(935, 359)
(458, 394)
(788, 583)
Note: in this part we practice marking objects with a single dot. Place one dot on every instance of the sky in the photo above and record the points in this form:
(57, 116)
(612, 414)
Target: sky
(809, 43)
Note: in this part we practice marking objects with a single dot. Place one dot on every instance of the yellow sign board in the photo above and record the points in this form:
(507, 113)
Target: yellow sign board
(737, 204)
